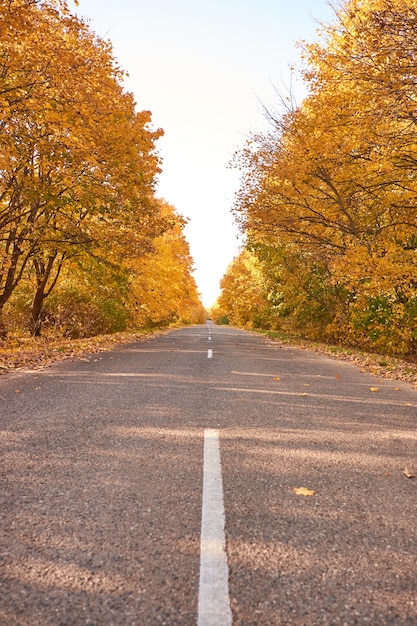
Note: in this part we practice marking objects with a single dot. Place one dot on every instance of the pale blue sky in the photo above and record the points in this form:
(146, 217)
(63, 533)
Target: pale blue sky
(202, 67)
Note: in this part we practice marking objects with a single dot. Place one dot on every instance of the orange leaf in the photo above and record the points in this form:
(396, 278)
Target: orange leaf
(303, 491)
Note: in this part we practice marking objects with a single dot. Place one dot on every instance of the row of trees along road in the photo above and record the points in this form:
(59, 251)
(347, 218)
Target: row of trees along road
(328, 196)
(79, 221)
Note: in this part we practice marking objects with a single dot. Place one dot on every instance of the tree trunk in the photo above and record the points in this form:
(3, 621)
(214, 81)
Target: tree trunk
(3, 331)
(36, 312)
(10, 278)
(43, 273)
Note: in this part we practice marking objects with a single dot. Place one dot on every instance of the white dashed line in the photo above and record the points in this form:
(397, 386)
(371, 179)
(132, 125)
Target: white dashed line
(209, 353)
(213, 596)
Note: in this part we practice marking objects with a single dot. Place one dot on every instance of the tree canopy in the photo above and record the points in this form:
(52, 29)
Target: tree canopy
(328, 197)
(78, 162)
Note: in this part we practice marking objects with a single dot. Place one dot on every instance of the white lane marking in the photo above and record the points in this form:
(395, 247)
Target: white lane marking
(209, 353)
(209, 338)
(256, 374)
(213, 596)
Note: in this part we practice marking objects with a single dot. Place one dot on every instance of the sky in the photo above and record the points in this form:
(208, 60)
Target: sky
(206, 69)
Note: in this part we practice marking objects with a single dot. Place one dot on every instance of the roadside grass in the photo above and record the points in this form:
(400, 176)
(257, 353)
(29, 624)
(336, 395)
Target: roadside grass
(380, 365)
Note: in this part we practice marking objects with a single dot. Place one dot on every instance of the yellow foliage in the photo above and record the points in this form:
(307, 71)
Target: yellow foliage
(163, 289)
(332, 188)
(243, 295)
(78, 162)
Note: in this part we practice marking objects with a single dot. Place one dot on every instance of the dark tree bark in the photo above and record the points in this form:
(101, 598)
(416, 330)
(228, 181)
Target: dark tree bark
(44, 272)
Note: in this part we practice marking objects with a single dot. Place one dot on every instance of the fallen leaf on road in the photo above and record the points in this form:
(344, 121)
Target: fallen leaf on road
(18, 391)
(407, 473)
(277, 378)
(338, 376)
(373, 388)
(303, 491)
(303, 394)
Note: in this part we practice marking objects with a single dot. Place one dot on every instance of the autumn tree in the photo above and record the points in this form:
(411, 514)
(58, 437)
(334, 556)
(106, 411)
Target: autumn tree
(97, 294)
(77, 162)
(90, 298)
(163, 289)
(333, 183)
(243, 298)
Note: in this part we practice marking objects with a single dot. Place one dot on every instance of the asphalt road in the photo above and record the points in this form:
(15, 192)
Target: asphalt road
(101, 486)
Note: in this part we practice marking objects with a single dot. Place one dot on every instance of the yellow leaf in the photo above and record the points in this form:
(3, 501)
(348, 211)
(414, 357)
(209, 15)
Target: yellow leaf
(373, 388)
(303, 491)
(407, 473)
(277, 378)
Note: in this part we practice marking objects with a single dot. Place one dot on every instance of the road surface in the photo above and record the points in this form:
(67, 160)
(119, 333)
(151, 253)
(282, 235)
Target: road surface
(158, 484)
